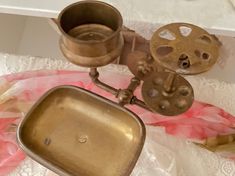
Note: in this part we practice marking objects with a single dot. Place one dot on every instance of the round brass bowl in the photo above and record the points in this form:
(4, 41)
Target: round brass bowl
(91, 33)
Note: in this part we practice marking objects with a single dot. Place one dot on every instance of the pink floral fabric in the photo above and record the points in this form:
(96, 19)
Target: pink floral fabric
(19, 91)
(10, 154)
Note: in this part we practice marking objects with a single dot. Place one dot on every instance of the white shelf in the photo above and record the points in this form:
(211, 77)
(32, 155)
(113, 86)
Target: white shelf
(218, 16)
(42, 8)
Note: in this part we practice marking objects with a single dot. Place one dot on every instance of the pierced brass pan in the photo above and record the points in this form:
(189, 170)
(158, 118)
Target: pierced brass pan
(184, 48)
(167, 93)
(75, 132)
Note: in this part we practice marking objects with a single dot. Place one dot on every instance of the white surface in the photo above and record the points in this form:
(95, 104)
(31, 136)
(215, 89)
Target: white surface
(224, 68)
(162, 154)
(39, 39)
(216, 15)
(11, 31)
(33, 36)
(42, 8)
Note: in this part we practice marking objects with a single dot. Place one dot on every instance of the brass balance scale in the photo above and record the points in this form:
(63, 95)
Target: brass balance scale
(75, 132)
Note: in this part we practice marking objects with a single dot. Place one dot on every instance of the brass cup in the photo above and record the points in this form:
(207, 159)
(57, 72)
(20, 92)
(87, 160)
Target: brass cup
(91, 33)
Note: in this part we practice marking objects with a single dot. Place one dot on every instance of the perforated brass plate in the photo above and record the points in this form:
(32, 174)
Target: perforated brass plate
(184, 48)
(77, 133)
(164, 98)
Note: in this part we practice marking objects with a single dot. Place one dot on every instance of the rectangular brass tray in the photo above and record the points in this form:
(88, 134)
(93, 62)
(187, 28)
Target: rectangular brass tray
(75, 132)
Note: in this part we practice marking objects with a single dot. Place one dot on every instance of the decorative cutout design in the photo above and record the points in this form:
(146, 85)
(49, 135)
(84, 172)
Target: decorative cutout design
(185, 31)
(164, 50)
(166, 34)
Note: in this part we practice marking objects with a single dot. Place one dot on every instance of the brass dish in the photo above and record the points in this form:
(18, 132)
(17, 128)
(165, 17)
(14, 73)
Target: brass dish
(75, 132)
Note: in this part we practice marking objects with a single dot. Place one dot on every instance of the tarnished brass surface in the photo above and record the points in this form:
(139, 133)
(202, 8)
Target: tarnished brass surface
(91, 33)
(220, 143)
(94, 75)
(184, 48)
(132, 42)
(140, 64)
(167, 93)
(214, 142)
(75, 132)
(125, 96)
(226, 148)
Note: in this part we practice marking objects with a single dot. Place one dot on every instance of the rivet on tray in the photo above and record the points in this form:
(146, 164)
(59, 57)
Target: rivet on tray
(83, 139)
(47, 141)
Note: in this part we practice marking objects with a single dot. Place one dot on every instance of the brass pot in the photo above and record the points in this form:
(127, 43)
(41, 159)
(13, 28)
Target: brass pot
(91, 33)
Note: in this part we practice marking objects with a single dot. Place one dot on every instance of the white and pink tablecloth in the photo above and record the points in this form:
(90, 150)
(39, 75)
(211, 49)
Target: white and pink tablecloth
(163, 153)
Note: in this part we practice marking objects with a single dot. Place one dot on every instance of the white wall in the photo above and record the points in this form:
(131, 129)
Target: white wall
(11, 31)
(39, 39)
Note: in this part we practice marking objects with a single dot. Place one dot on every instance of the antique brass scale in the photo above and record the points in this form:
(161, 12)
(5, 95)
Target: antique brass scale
(55, 131)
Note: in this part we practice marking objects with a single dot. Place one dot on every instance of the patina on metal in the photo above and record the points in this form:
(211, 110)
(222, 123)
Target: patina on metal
(91, 33)
(91, 37)
(167, 93)
(220, 144)
(192, 41)
(141, 64)
(184, 48)
(75, 132)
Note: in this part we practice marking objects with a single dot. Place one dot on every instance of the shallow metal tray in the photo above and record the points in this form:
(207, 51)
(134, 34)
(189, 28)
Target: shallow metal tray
(74, 132)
